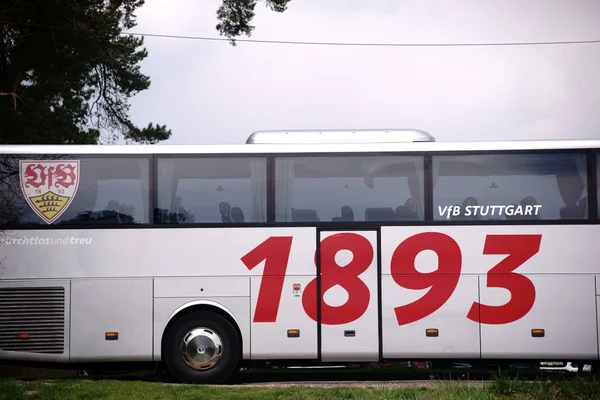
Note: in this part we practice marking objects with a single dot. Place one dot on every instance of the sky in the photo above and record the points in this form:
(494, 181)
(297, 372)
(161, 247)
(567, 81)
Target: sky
(209, 92)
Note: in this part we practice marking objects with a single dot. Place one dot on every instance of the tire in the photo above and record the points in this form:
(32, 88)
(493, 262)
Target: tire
(201, 330)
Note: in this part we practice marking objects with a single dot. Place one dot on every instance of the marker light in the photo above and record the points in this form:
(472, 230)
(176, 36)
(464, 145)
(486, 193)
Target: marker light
(537, 332)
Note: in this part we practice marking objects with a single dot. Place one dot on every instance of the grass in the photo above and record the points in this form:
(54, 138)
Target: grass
(577, 388)
(132, 389)
(117, 390)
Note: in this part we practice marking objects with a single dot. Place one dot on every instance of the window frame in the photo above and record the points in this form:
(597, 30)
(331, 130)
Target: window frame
(590, 155)
(346, 224)
(96, 156)
(592, 160)
(174, 156)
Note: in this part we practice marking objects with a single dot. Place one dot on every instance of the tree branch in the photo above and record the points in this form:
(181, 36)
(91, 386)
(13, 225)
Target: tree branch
(14, 96)
(112, 8)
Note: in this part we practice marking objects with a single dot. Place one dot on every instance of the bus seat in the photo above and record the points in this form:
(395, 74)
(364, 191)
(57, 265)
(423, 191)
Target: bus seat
(237, 214)
(347, 215)
(304, 215)
(380, 214)
(403, 213)
(571, 211)
(225, 210)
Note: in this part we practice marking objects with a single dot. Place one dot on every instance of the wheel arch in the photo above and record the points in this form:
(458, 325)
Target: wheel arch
(201, 305)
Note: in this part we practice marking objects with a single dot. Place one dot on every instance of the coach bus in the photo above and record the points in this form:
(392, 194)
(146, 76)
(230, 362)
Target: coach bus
(300, 247)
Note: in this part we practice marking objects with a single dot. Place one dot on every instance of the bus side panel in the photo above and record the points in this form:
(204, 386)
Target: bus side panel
(565, 308)
(111, 305)
(237, 307)
(416, 297)
(40, 310)
(205, 286)
(172, 252)
(406, 319)
(283, 278)
(270, 339)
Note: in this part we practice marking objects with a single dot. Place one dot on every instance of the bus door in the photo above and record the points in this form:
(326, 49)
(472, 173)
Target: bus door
(348, 270)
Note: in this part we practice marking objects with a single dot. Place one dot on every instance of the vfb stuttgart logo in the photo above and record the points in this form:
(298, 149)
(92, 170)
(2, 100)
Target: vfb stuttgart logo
(49, 186)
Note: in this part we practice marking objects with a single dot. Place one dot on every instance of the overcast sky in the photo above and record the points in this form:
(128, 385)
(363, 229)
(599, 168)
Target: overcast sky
(210, 92)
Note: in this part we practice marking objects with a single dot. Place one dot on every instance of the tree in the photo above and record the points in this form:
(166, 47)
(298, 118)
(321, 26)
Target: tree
(235, 16)
(67, 71)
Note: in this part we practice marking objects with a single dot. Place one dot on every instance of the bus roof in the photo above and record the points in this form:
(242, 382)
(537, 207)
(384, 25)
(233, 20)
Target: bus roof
(339, 136)
(317, 141)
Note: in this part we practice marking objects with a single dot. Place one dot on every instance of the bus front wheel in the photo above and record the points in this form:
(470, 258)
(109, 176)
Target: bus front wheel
(201, 347)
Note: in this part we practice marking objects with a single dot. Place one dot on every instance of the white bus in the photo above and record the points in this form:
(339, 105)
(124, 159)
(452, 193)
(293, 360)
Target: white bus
(206, 258)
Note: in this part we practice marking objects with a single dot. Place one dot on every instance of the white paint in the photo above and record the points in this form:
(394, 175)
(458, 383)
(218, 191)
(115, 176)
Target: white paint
(569, 322)
(182, 260)
(336, 296)
(270, 340)
(202, 287)
(458, 336)
(427, 261)
(111, 305)
(343, 257)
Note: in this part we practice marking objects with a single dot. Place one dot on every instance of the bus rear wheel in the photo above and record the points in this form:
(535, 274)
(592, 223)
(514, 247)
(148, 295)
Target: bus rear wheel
(201, 347)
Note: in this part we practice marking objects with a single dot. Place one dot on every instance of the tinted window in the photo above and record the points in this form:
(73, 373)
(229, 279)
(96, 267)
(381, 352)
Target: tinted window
(349, 189)
(71, 189)
(510, 186)
(211, 190)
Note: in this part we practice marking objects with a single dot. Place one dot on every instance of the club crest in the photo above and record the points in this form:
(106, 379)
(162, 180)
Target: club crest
(49, 186)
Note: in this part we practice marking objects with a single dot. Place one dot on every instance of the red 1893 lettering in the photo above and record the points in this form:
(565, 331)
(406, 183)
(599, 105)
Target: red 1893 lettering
(276, 252)
(519, 248)
(441, 282)
(346, 276)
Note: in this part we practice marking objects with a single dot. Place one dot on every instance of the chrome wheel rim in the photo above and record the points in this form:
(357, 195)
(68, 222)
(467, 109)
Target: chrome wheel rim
(201, 348)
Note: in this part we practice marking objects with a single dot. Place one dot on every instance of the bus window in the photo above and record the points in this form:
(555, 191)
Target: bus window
(211, 190)
(342, 189)
(55, 190)
(510, 187)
